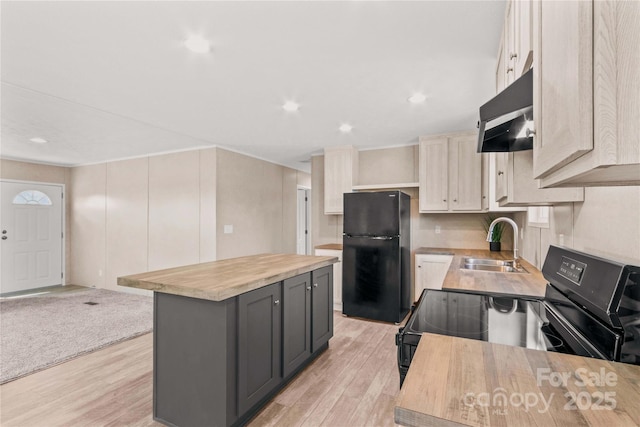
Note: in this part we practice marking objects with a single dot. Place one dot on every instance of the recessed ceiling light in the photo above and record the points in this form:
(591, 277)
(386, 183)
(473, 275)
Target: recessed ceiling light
(38, 140)
(345, 128)
(197, 44)
(417, 98)
(291, 106)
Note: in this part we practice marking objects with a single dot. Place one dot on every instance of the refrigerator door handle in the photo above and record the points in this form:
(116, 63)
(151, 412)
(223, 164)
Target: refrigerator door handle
(349, 236)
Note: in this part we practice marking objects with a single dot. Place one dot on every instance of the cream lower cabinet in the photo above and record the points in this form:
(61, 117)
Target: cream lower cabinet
(451, 175)
(586, 109)
(337, 275)
(431, 269)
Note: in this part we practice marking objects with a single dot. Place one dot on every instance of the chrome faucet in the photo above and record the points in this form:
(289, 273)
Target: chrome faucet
(516, 263)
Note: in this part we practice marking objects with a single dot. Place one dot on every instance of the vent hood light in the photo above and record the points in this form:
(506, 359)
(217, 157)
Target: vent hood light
(526, 131)
(38, 140)
(504, 120)
(197, 44)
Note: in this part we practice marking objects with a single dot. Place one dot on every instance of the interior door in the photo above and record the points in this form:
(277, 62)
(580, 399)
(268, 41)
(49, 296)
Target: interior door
(31, 239)
(302, 246)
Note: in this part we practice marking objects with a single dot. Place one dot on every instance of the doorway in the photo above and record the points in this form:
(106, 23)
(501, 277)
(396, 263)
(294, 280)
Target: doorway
(304, 222)
(32, 236)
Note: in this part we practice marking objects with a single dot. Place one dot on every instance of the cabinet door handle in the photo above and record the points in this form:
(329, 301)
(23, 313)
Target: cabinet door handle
(500, 173)
(455, 200)
(276, 302)
(315, 285)
(308, 288)
(444, 200)
(509, 70)
(513, 55)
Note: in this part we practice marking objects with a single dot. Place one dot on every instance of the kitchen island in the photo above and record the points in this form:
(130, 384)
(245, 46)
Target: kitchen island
(463, 382)
(228, 335)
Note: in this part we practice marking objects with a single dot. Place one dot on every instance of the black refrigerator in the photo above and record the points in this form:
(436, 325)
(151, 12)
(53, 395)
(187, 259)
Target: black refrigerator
(376, 257)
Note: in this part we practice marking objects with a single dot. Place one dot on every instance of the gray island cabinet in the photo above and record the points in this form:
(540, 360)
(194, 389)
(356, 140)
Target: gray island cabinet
(218, 359)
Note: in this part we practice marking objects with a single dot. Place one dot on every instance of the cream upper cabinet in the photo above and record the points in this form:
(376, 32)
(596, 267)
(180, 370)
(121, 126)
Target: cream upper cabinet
(511, 181)
(501, 73)
(465, 174)
(522, 56)
(434, 174)
(500, 174)
(516, 54)
(451, 177)
(563, 84)
(497, 182)
(340, 170)
(509, 34)
(587, 110)
(520, 189)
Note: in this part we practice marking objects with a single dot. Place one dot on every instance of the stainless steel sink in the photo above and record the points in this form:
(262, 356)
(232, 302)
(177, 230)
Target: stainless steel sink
(496, 265)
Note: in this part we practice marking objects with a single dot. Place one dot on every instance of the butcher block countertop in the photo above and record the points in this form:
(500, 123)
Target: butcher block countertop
(330, 246)
(457, 381)
(220, 280)
(530, 284)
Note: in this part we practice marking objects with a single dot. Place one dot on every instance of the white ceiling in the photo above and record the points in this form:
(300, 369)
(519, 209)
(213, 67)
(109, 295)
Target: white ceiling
(110, 80)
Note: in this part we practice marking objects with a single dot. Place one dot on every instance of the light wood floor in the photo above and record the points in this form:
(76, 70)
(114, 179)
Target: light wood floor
(353, 383)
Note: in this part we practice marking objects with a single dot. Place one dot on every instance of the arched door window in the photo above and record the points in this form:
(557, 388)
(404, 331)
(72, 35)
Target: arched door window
(32, 197)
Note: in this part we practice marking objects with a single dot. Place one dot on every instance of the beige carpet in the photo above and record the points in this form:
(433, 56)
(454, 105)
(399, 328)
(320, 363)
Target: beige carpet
(41, 331)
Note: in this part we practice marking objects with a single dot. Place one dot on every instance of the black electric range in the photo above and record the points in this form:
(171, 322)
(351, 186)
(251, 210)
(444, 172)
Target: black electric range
(591, 308)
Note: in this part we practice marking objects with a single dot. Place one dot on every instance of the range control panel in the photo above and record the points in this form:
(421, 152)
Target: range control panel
(572, 269)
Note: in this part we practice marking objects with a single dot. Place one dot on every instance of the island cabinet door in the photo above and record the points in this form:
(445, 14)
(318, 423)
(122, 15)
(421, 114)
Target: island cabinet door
(259, 344)
(296, 326)
(321, 307)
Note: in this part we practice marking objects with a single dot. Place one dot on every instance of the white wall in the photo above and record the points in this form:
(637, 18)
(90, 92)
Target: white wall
(258, 199)
(155, 212)
(606, 223)
(127, 213)
(174, 210)
(88, 219)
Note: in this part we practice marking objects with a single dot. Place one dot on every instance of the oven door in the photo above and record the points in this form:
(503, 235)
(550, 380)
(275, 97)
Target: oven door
(562, 337)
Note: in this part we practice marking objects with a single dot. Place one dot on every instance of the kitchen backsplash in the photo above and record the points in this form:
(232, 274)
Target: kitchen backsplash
(607, 224)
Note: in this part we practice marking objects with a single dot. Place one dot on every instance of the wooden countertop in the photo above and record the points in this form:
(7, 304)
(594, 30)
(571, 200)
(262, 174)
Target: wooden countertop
(457, 381)
(530, 284)
(330, 246)
(220, 280)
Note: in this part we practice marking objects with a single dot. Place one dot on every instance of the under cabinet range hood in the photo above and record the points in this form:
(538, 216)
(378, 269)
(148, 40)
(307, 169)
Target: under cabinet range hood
(506, 121)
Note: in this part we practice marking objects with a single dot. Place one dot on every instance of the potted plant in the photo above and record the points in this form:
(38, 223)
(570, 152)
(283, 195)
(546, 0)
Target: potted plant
(496, 235)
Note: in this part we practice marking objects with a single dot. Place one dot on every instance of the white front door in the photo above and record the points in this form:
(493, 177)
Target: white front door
(31, 236)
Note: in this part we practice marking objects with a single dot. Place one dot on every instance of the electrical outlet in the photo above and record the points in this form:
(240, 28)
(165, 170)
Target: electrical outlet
(437, 229)
(228, 229)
